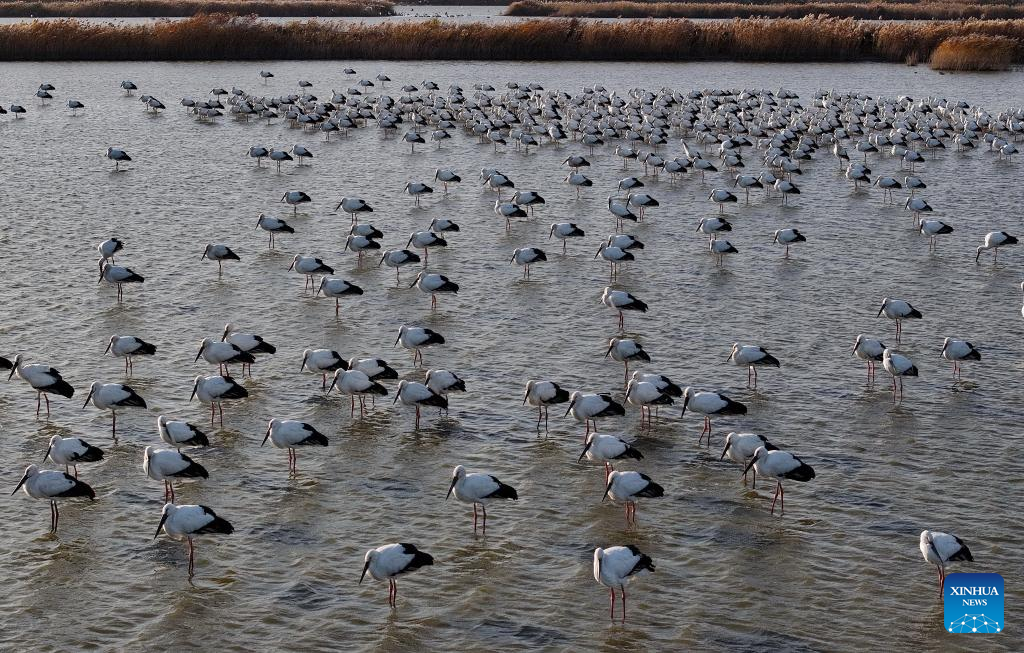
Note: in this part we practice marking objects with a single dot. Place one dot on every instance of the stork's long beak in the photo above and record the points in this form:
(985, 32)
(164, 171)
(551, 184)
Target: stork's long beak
(334, 382)
(87, 398)
(380, 261)
(193, 395)
(571, 404)
(606, 491)
(450, 488)
(727, 445)
(775, 238)
(22, 482)
(585, 450)
(13, 370)
(265, 437)
(395, 400)
(749, 465)
(163, 518)
(365, 567)
(45, 455)
(109, 345)
(292, 265)
(200, 353)
(609, 350)
(880, 310)
(303, 362)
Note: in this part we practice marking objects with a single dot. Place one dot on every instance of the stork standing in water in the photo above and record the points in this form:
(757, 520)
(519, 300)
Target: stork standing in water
(433, 284)
(479, 489)
(308, 266)
(955, 351)
(708, 404)
(898, 366)
(168, 465)
(177, 433)
(108, 248)
(564, 231)
(604, 448)
(337, 288)
(71, 451)
(751, 357)
(543, 394)
(899, 310)
(616, 566)
(941, 548)
(52, 485)
(248, 343)
(620, 300)
(355, 383)
(993, 241)
(111, 396)
(416, 338)
(630, 487)
(188, 521)
(118, 156)
(397, 258)
(44, 380)
(740, 447)
(289, 434)
(589, 407)
(322, 361)
(273, 226)
(390, 560)
(787, 237)
(416, 394)
(870, 350)
(215, 390)
(527, 256)
(219, 253)
(779, 465)
(117, 275)
(127, 347)
(645, 394)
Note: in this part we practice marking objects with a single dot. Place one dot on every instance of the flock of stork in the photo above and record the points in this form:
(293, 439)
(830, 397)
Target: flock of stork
(728, 131)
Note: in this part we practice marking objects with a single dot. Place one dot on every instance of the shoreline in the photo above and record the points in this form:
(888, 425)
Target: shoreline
(225, 37)
(704, 9)
(57, 9)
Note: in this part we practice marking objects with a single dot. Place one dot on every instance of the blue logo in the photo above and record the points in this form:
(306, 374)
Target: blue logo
(973, 603)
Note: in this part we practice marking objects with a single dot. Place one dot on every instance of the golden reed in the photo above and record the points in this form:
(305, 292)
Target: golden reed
(176, 8)
(223, 37)
(873, 10)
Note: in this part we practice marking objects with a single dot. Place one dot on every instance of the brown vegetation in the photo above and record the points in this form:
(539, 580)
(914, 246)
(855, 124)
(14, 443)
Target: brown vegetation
(177, 8)
(869, 10)
(974, 53)
(221, 37)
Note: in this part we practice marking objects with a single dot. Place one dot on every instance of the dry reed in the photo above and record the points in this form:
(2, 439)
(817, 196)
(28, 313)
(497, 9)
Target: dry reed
(178, 8)
(221, 37)
(873, 10)
(974, 52)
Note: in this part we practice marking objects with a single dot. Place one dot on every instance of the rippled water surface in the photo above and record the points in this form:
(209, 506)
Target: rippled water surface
(840, 571)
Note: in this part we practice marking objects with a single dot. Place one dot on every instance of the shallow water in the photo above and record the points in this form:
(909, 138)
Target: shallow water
(729, 576)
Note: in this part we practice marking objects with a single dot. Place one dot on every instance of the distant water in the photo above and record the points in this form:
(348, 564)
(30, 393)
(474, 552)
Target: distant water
(839, 571)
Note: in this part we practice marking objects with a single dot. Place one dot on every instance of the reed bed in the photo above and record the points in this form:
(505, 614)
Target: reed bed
(874, 10)
(974, 52)
(179, 8)
(223, 37)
